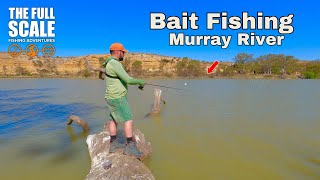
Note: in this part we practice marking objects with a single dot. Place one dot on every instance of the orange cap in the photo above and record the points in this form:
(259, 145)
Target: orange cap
(118, 46)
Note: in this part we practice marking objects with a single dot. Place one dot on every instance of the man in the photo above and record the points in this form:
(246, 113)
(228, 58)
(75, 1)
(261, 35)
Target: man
(117, 81)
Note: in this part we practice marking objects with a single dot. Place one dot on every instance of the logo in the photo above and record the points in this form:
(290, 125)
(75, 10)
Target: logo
(31, 25)
(48, 50)
(31, 50)
(14, 50)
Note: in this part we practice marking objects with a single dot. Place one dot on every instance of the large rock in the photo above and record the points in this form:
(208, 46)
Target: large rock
(122, 166)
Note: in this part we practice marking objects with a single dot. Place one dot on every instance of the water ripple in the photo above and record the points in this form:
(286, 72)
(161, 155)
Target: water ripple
(23, 109)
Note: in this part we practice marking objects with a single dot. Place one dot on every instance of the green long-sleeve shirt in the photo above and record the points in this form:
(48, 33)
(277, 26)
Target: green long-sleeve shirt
(117, 88)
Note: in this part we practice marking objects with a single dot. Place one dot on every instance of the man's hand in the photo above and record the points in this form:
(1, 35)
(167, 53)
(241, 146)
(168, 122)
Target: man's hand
(141, 85)
(100, 69)
(101, 75)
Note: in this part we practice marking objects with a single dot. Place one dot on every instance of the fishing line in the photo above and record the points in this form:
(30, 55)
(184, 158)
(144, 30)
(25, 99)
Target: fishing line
(150, 84)
(157, 85)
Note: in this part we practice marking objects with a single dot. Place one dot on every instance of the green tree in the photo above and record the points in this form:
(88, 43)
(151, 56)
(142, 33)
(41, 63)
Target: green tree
(312, 70)
(309, 75)
(186, 68)
(126, 64)
(137, 67)
(288, 64)
(181, 67)
(194, 68)
(277, 64)
(267, 63)
(241, 59)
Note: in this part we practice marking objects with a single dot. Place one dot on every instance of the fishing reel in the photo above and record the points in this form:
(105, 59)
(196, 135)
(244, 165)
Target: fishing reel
(141, 87)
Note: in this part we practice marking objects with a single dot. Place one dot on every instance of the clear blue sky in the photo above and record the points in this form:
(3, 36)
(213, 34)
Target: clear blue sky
(87, 27)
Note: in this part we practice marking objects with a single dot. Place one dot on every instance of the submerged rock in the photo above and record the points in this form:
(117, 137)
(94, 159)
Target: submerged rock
(105, 165)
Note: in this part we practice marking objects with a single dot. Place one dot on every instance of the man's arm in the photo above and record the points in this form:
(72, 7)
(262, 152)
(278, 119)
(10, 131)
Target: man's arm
(123, 75)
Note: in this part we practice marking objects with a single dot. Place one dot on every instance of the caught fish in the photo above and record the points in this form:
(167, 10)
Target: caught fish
(156, 102)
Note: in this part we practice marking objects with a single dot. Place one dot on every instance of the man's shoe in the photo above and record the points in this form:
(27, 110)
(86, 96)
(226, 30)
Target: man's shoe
(132, 150)
(115, 145)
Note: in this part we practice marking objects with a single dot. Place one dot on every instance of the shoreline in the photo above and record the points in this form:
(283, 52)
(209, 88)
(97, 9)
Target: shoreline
(237, 77)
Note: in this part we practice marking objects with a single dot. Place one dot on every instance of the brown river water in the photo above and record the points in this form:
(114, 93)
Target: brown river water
(216, 129)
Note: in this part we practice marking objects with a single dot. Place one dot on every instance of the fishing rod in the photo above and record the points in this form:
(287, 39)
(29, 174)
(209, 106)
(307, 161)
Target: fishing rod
(164, 86)
(100, 69)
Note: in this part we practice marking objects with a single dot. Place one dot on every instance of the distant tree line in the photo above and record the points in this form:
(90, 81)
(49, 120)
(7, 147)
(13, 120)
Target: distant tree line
(189, 68)
(273, 64)
(243, 64)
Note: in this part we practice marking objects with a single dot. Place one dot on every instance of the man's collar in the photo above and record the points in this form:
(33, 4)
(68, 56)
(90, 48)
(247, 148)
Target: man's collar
(112, 57)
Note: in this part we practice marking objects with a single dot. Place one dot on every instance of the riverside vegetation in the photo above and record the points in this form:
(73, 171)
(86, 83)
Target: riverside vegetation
(275, 66)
